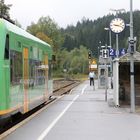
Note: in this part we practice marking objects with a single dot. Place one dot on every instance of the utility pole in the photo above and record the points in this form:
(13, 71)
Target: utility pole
(132, 110)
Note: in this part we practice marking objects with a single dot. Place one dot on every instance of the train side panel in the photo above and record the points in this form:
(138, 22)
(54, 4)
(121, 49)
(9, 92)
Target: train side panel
(4, 74)
(31, 88)
(24, 71)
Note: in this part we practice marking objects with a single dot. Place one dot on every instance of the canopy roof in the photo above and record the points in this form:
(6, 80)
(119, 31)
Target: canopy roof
(128, 56)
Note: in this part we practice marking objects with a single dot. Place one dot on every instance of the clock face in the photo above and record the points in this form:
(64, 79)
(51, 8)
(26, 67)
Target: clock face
(117, 25)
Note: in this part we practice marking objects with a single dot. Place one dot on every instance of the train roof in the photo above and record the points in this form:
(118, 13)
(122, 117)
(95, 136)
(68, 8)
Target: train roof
(19, 31)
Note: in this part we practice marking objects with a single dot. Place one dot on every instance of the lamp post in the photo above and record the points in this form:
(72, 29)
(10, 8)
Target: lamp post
(132, 109)
(110, 44)
(117, 11)
(99, 47)
(117, 28)
(108, 29)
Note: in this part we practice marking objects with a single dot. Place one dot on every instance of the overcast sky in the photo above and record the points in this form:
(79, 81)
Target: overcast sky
(64, 12)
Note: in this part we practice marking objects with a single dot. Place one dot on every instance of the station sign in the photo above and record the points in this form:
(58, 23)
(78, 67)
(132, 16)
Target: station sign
(122, 51)
(93, 64)
(105, 53)
(112, 52)
(93, 61)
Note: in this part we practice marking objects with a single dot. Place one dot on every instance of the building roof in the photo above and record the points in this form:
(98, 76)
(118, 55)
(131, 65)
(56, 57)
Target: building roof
(19, 31)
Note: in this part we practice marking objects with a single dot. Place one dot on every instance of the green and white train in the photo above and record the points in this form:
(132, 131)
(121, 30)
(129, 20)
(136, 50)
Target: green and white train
(25, 70)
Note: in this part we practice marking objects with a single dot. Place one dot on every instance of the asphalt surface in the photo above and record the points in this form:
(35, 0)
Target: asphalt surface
(82, 115)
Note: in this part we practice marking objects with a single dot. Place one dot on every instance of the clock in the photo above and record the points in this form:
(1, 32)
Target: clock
(117, 25)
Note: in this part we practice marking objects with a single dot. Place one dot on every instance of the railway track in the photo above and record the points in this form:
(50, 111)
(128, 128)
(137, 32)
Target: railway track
(61, 87)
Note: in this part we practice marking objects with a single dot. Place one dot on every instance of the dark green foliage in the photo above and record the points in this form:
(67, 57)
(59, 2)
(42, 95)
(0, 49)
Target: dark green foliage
(4, 9)
(89, 33)
(74, 62)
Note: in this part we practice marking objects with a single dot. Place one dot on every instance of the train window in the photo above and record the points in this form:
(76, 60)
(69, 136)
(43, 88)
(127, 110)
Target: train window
(6, 53)
(37, 73)
(19, 44)
(31, 48)
(40, 52)
(35, 53)
(16, 67)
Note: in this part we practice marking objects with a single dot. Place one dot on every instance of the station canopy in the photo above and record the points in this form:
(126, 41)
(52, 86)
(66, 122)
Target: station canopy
(128, 56)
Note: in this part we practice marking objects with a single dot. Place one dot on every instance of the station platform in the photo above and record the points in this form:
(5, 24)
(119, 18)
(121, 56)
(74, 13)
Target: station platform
(81, 115)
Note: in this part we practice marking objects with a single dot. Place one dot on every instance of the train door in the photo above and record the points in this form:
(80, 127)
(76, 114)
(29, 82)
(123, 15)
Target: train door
(46, 76)
(6, 83)
(25, 78)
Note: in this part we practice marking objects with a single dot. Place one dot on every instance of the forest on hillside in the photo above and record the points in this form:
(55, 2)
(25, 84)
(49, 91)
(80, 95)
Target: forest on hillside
(89, 33)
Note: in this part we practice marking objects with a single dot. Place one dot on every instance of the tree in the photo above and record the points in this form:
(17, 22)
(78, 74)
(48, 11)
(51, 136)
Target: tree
(78, 60)
(49, 28)
(4, 9)
(44, 37)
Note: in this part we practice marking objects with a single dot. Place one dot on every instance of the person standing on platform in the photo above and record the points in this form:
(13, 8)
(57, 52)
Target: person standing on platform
(91, 77)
